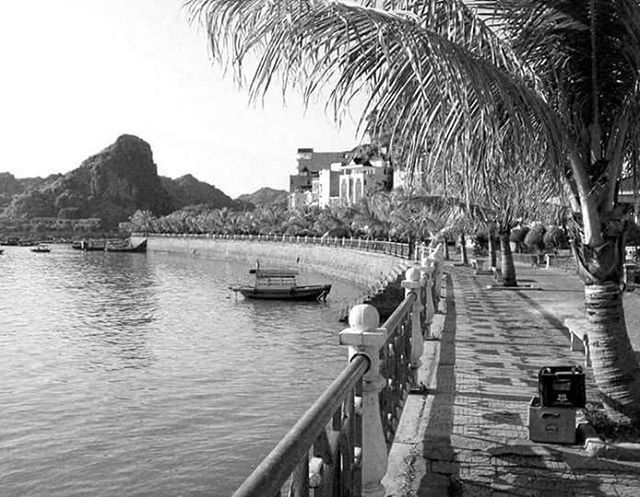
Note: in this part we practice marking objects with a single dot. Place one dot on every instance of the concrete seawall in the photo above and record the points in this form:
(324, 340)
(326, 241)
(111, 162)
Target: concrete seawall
(368, 270)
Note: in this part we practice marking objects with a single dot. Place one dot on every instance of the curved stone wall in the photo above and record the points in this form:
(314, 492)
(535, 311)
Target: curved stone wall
(368, 270)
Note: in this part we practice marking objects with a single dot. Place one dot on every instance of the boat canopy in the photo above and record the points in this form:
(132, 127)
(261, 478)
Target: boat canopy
(274, 273)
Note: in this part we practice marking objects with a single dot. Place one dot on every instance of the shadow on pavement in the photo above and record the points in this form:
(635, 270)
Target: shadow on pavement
(441, 468)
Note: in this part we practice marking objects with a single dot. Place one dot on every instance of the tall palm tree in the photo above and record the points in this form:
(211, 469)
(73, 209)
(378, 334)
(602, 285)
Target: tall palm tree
(559, 77)
(371, 216)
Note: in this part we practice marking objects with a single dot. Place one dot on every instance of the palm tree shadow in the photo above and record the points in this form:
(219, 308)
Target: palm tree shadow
(441, 468)
(524, 464)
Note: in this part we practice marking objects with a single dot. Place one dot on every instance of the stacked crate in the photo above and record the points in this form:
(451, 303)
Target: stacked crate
(552, 413)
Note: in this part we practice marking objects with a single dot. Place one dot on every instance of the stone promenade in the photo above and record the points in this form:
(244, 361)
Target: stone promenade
(468, 435)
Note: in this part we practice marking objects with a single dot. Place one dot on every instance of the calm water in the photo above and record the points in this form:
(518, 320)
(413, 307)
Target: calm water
(140, 374)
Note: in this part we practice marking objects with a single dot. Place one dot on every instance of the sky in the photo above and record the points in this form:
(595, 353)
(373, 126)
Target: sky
(76, 74)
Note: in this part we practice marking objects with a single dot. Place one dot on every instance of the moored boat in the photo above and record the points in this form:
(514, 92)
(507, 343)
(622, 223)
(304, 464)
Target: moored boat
(126, 246)
(41, 248)
(89, 245)
(280, 284)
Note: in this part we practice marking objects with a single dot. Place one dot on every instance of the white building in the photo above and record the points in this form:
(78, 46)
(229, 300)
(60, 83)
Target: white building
(357, 179)
(326, 179)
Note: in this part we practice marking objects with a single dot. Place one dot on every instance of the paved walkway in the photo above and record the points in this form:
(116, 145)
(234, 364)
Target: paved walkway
(469, 435)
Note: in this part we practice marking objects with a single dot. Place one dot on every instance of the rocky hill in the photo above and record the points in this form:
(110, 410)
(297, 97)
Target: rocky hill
(187, 190)
(10, 186)
(265, 196)
(110, 185)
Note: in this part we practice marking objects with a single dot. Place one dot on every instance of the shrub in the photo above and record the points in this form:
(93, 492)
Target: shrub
(534, 239)
(517, 236)
(555, 238)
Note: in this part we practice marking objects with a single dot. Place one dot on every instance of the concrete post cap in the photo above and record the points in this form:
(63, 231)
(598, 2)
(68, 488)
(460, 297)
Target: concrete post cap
(364, 317)
(412, 274)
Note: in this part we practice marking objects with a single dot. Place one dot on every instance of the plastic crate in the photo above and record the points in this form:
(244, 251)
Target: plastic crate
(561, 386)
(551, 424)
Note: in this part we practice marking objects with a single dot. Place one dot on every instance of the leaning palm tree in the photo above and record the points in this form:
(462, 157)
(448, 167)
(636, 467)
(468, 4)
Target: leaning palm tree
(554, 76)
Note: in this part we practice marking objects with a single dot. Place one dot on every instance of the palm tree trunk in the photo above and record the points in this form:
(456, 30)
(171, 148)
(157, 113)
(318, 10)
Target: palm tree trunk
(614, 363)
(508, 267)
(463, 250)
(446, 249)
(492, 251)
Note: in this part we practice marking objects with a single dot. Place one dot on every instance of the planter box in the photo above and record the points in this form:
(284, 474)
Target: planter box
(551, 424)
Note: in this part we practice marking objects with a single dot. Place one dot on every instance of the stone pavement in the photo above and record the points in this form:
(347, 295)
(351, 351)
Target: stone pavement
(468, 436)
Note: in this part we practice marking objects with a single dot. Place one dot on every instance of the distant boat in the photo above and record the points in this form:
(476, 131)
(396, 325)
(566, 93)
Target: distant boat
(1, 251)
(41, 248)
(89, 245)
(280, 284)
(126, 246)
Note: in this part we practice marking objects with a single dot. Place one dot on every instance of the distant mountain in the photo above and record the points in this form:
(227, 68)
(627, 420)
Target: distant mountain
(187, 190)
(111, 185)
(265, 196)
(10, 186)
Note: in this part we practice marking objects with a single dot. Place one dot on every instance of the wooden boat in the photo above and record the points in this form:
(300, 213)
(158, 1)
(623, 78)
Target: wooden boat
(126, 246)
(41, 248)
(89, 245)
(280, 284)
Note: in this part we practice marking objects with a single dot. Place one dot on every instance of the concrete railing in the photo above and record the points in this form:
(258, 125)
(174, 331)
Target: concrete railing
(379, 246)
(340, 445)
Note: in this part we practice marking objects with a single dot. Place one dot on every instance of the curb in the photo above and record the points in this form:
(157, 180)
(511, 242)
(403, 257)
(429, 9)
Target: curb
(595, 447)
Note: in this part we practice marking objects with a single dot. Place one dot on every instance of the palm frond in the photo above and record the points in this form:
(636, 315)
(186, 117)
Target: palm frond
(429, 58)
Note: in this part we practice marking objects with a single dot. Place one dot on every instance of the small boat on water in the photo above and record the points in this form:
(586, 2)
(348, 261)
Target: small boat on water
(41, 248)
(126, 246)
(89, 245)
(113, 245)
(10, 241)
(280, 284)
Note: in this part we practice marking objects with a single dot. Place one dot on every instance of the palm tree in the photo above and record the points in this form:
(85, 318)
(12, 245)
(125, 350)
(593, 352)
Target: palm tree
(334, 221)
(142, 220)
(553, 77)
(371, 217)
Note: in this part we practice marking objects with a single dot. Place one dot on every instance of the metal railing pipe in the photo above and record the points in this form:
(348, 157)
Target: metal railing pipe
(272, 473)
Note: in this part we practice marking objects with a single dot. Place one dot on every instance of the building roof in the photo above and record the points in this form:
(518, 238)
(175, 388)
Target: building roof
(311, 161)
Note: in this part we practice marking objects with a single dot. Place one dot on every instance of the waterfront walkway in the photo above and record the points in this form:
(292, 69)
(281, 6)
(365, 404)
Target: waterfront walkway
(468, 436)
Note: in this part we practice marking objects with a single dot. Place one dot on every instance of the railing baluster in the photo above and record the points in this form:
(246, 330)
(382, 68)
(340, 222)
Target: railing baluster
(413, 284)
(299, 486)
(365, 338)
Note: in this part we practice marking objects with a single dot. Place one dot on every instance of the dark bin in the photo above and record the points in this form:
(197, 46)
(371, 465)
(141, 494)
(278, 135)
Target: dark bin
(561, 386)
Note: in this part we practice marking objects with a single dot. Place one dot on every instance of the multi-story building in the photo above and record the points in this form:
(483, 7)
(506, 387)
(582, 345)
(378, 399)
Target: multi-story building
(334, 178)
(315, 182)
(358, 179)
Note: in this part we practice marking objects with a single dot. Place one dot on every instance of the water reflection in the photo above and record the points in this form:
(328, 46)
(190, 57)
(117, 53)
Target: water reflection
(113, 297)
(129, 374)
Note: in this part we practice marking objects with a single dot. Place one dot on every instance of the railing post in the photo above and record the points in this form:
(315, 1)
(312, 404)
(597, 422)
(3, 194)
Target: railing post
(436, 259)
(428, 271)
(413, 282)
(365, 338)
